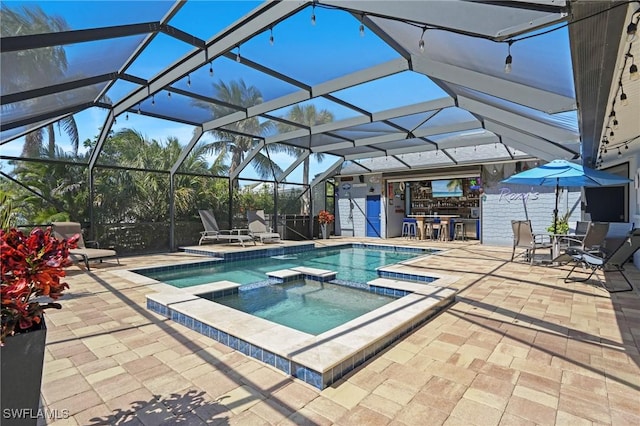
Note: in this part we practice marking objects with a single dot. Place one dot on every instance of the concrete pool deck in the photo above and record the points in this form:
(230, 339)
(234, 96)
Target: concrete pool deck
(519, 346)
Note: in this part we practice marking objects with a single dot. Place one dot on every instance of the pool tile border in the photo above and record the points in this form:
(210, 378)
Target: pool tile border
(339, 359)
(252, 254)
(221, 256)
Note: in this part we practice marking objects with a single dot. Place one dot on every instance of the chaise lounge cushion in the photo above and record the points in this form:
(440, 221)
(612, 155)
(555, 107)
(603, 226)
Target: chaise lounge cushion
(64, 230)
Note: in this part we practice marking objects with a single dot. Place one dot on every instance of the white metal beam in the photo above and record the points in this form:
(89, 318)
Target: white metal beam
(359, 156)
(223, 121)
(250, 156)
(293, 166)
(420, 133)
(272, 105)
(541, 100)
(481, 18)
(402, 111)
(332, 147)
(260, 19)
(326, 173)
(517, 121)
(530, 144)
(379, 71)
(197, 134)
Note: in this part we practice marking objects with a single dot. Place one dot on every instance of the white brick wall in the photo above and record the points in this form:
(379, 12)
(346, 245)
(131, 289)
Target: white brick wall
(352, 207)
(502, 204)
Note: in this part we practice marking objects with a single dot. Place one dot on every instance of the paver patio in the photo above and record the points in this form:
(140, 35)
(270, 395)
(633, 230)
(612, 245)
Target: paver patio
(519, 346)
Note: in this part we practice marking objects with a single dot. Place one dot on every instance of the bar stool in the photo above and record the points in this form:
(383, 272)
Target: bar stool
(444, 230)
(409, 227)
(458, 231)
(428, 230)
(436, 227)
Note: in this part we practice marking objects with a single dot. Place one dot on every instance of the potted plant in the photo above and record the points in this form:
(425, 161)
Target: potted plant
(561, 226)
(325, 218)
(31, 271)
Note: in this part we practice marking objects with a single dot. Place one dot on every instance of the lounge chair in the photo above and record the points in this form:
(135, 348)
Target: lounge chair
(523, 237)
(64, 230)
(613, 259)
(213, 233)
(258, 227)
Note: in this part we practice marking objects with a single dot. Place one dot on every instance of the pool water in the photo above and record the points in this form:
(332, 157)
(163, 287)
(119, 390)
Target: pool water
(312, 308)
(354, 264)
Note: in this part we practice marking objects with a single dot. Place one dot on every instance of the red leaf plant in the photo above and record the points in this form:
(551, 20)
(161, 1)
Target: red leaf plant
(325, 217)
(31, 269)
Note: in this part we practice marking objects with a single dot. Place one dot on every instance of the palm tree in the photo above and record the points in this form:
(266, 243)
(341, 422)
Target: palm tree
(234, 141)
(35, 68)
(454, 185)
(59, 196)
(309, 116)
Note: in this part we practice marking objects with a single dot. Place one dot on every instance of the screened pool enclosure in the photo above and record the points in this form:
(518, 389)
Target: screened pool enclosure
(131, 116)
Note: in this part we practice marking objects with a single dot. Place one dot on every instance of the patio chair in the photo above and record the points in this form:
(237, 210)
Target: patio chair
(523, 237)
(65, 230)
(591, 241)
(582, 226)
(213, 233)
(258, 227)
(613, 259)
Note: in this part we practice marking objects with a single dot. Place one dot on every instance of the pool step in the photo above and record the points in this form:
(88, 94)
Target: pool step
(300, 273)
(408, 286)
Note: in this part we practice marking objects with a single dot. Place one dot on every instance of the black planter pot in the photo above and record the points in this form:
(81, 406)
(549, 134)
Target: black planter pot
(22, 358)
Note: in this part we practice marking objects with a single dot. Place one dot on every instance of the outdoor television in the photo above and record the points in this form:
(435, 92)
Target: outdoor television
(446, 188)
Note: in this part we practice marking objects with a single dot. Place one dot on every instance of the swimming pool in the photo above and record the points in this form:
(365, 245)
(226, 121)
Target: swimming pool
(354, 264)
(312, 307)
(318, 359)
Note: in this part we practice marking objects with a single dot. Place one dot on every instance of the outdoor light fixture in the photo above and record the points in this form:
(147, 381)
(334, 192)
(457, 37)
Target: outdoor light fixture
(623, 96)
(611, 135)
(168, 94)
(271, 39)
(615, 123)
(508, 60)
(421, 42)
(362, 26)
(619, 152)
(210, 69)
(188, 80)
(138, 108)
(633, 72)
(238, 57)
(153, 99)
(632, 30)
(313, 14)
(126, 116)
(623, 99)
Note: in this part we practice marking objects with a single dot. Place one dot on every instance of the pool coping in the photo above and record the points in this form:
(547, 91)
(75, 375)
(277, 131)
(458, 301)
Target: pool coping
(318, 360)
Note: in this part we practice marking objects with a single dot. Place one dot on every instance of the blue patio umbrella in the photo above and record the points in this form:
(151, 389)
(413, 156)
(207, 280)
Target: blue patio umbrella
(565, 173)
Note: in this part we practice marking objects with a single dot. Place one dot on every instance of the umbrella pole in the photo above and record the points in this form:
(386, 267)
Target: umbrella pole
(555, 211)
